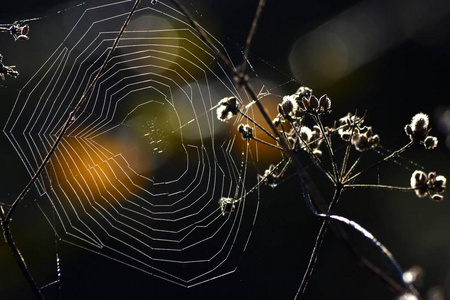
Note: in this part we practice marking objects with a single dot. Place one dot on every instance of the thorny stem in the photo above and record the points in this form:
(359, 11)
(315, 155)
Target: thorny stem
(6, 219)
(392, 155)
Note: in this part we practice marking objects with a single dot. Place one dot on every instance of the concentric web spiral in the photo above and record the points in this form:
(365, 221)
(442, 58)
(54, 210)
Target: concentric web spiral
(138, 175)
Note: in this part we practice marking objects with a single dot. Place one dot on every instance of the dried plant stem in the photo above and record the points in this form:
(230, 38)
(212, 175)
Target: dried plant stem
(339, 231)
(242, 81)
(381, 187)
(390, 156)
(319, 240)
(267, 144)
(19, 258)
(329, 148)
(251, 34)
(316, 159)
(256, 124)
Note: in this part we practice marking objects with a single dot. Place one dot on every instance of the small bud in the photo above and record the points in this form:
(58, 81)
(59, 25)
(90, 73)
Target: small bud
(437, 197)
(228, 107)
(25, 29)
(440, 184)
(303, 91)
(306, 134)
(313, 103)
(325, 104)
(432, 176)
(306, 103)
(419, 183)
(22, 38)
(276, 122)
(246, 131)
(430, 142)
(418, 129)
(289, 105)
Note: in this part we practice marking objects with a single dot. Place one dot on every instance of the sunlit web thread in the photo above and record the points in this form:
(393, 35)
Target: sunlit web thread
(150, 211)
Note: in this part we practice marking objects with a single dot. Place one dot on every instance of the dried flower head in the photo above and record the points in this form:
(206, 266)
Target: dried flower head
(417, 130)
(289, 105)
(324, 104)
(316, 106)
(419, 183)
(430, 142)
(425, 184)
(270, 176)
(363, 139)
(303, 91)
(19, 31)
(277, 121)
(7, 70)
(228, 107)
(246, 131)
(227, 205)
(349, 125)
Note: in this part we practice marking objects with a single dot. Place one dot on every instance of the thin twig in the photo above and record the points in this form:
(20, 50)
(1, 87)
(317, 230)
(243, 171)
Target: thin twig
(347, 153)
(19, 258)
(267, 144)
(327, 140)
(380, 187)
(251, 34)
(390, 156)
(256, 124)
(319, 240)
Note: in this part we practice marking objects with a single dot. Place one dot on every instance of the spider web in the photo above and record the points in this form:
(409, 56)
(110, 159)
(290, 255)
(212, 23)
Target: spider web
(138, 175)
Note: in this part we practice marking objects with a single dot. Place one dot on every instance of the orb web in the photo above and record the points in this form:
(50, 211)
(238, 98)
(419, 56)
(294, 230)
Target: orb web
(138, 175)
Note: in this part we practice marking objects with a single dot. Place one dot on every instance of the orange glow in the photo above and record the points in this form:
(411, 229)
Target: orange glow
(100, 169)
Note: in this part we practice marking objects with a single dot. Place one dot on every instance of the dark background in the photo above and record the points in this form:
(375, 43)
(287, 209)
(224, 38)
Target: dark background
(409, 76)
